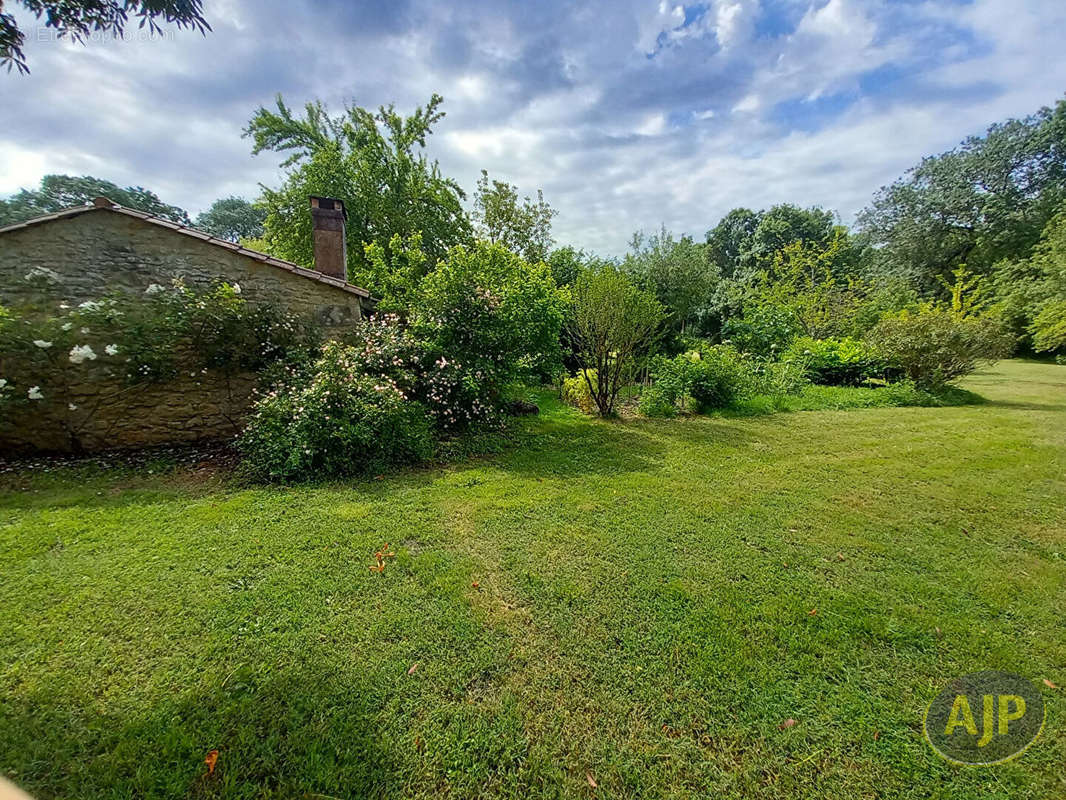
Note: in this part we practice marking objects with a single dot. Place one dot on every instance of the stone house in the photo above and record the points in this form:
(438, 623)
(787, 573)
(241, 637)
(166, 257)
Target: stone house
(102, 248)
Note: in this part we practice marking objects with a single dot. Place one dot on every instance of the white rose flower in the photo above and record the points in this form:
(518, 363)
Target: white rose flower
(236, 288)
(111, 349)
(80, 353)
(42, 344)
(35, 393)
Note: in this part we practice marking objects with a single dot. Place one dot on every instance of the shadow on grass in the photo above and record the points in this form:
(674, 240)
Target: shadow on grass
(1024, 406)
(285, 734)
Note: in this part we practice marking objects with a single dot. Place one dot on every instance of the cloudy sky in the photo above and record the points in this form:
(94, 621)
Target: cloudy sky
(627, 114)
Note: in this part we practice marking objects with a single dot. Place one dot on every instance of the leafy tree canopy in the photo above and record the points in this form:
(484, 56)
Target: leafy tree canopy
(77, 19)
(523, 227)
(370, 160)
(233, 219)
(676, 271)
(745, 241)
(1032, 291)
(986, 200)
(58, 192)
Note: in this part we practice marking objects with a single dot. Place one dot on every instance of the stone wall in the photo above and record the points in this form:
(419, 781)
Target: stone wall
(102, 251)
(110, 415)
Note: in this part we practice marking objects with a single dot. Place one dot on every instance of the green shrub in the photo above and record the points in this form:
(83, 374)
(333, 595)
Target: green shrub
(778, 379)
(333, 419)
(907, 393)
(934, 346)
(836, 362)
(712, 379)
(488, 317)
(655, 402)
(575, 392)
(1049, 327)
(763, 330)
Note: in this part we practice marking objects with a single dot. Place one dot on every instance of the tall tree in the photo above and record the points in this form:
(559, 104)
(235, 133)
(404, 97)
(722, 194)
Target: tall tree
(986, 200)
(783, 225)
(523, 227)
(677, 271)
(373, 161)
(232, 219)
(78, 19)
(745, 242)
(730, 240)
(58, 192)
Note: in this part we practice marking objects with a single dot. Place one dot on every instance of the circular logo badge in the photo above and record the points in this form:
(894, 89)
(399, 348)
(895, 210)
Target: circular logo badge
(984, 718)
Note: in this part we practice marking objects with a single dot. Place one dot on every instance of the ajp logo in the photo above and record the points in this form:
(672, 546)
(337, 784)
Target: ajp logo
(985, 718)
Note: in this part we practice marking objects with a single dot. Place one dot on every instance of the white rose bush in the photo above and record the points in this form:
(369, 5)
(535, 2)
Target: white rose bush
(71, 359)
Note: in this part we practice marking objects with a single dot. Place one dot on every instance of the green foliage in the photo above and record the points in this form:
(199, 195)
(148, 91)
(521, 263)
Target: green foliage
(1049, 327)
(676, 271)
(392, 274)
(371, 161)
(522, 227)
(77, 21)
(655, 401)
(908, 393)
(575, 391)
(566, 264)
(984, 201)
(58, 192)
(492, 316)
(334, 419)
(934, 346)
(233, 219)
(611, 323)
(763, 330)
(783, 225)
(966, 292)
(1031, 292)
(120, 342)
(746, 242)
(730, 241)
(836, 362)
(809, 285)
(704, 380)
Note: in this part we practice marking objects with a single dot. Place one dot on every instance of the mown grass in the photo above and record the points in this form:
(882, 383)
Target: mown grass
(625, 603)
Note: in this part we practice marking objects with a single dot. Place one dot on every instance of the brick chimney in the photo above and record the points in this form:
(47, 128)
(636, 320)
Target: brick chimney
(331, 247)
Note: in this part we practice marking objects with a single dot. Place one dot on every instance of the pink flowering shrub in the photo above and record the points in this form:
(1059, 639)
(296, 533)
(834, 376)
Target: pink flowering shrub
(488, 318)
(335, 419)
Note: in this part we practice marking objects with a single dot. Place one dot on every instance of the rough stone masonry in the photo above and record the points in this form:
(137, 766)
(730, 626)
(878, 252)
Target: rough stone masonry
(96, 250)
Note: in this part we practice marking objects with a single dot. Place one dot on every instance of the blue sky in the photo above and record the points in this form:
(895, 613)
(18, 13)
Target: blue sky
(626, 114)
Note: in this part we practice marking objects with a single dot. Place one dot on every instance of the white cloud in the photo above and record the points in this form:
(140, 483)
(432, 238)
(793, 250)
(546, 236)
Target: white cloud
(626, 113)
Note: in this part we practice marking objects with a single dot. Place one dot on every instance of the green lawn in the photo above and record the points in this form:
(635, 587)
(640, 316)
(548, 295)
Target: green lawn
(641, 617)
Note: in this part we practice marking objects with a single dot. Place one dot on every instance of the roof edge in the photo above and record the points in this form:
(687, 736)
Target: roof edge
(105, 204)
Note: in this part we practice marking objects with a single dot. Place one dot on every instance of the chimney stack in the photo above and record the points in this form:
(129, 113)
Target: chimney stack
(331, 247)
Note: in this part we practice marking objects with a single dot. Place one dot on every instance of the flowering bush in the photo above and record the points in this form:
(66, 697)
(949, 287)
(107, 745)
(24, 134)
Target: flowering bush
(51, 351)
(336, 419)
(453, 397)
(487, 317)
